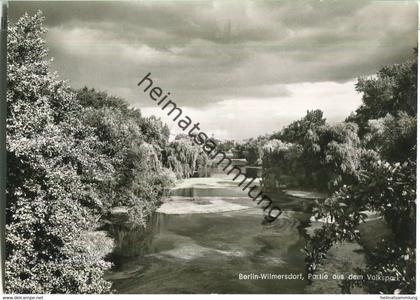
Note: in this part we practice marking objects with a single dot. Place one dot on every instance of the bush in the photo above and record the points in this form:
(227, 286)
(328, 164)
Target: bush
(54, 173)
(72, 156)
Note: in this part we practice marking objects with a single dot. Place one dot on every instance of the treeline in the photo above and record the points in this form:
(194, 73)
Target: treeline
(367, 163)
(252, 150)
(313, 154)
(185, 158)
(73, 155)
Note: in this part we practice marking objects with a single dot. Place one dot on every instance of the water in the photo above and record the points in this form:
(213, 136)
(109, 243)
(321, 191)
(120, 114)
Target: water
(206, 252)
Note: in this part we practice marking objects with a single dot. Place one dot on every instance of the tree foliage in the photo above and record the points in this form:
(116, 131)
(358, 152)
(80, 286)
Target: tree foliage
(326, 156)
(252, 150)
(392, 90)
(53, 175)
(71, 157)
(388, 189)
(133, 145)
(386, 184)
(367, 163)
(184, 157)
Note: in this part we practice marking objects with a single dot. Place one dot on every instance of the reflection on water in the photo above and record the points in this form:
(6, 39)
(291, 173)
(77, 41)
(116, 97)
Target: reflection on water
(205, 253)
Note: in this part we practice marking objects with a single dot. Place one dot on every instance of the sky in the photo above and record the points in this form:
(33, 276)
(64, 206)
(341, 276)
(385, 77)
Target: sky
(240, 68)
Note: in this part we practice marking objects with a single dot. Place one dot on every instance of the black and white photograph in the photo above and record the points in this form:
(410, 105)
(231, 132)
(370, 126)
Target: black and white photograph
(209, 147)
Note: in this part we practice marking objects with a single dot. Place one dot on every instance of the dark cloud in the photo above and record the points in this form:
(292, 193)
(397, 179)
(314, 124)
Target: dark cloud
(209, 51)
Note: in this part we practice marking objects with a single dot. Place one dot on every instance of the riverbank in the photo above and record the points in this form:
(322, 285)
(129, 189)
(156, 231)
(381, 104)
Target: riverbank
(202, 236)
(342, 259)
(208, 231)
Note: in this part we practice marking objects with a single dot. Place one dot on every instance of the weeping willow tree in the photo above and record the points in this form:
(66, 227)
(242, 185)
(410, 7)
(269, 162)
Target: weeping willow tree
(281, 164)
(184, 158)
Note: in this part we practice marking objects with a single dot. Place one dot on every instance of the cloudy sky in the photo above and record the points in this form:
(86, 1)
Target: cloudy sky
(240, 68)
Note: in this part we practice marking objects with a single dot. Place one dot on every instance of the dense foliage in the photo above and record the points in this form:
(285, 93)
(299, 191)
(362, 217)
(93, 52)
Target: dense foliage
(313, 154)
(133, 145)
(71, 157)
(185, 158)
(385, 184)
(282, 165)
(367, 164)
(251, 150)
(392, 90)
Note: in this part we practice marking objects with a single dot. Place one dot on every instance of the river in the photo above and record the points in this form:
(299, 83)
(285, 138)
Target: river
(207, 234)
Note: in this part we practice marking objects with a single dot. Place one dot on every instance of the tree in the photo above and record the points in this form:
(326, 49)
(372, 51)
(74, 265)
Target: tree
(282, 165)
(386, 184)
(184, 157)
(328, 156)
(340, 152)
(297, 131)
(391, 90)
(133, 145)
(52, 187)
(388, 189)
(72, 156)
(251, 150)
(394, 137)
